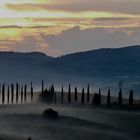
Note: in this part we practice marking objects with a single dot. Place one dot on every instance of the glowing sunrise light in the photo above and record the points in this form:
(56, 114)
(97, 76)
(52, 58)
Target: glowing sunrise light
(43, 18)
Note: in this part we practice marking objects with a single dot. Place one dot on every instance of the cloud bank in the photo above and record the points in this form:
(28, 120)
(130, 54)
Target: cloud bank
(75, 40)
(115, 6)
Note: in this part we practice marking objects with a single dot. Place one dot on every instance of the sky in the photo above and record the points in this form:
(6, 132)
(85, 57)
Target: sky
(59, 27)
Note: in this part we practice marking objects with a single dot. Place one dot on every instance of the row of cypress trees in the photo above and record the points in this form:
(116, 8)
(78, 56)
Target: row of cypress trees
(17, 92)
(76, 95)
(85, 97)
(120, 98)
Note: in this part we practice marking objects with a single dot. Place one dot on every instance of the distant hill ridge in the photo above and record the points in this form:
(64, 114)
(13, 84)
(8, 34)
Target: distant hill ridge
(95, 63)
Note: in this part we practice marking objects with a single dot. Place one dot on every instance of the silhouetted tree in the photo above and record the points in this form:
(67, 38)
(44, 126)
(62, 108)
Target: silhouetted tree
(12, 93)
(69, 94)
(96, 99)
(32, 93)
(42, 87)
(83, 96)
(29, 138)
(17, 90)
(3, 93)
(8, 95)
(120, 97)
(108, 98)
(88, 94)
(0, 90)
(21, 94)
(52, 91)
(62, 95)
(25, 93)
(49, 95)
(75, 95)
(99, 96)
(131, 98)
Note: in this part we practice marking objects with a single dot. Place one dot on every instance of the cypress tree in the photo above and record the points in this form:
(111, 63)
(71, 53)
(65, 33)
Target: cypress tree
(62, 95)
(19, 88)
(32, 93)
(99, 96)
(17, 92)
(75, 95)
(69, 94)
(131, 98)
(21, 94)
(120, 97)
(0, 90)
(53, 94)
(42, 87)
(25, 93)
(12, 93)
(108, 98)
(83, 96)
(88, 94)
(8, 95)
(3, 93)
(52, 89)
(55, 97)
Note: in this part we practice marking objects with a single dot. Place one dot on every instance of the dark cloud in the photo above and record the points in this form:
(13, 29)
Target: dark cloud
(113, 19)
(10, 26)
(117, 6)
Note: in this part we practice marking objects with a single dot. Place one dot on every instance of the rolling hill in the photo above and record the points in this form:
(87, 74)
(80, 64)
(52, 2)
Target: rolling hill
(101, 63)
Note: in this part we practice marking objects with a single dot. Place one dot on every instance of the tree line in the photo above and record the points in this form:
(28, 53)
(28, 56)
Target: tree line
(84, 97)
(15, 93)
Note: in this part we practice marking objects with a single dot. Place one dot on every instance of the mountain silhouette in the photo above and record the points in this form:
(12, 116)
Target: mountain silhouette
(100, 63)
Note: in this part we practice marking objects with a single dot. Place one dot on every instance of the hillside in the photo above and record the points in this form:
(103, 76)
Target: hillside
(121, 63)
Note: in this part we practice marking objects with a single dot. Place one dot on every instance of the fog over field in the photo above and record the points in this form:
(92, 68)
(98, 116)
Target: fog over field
(80, 122)
(76, 120)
